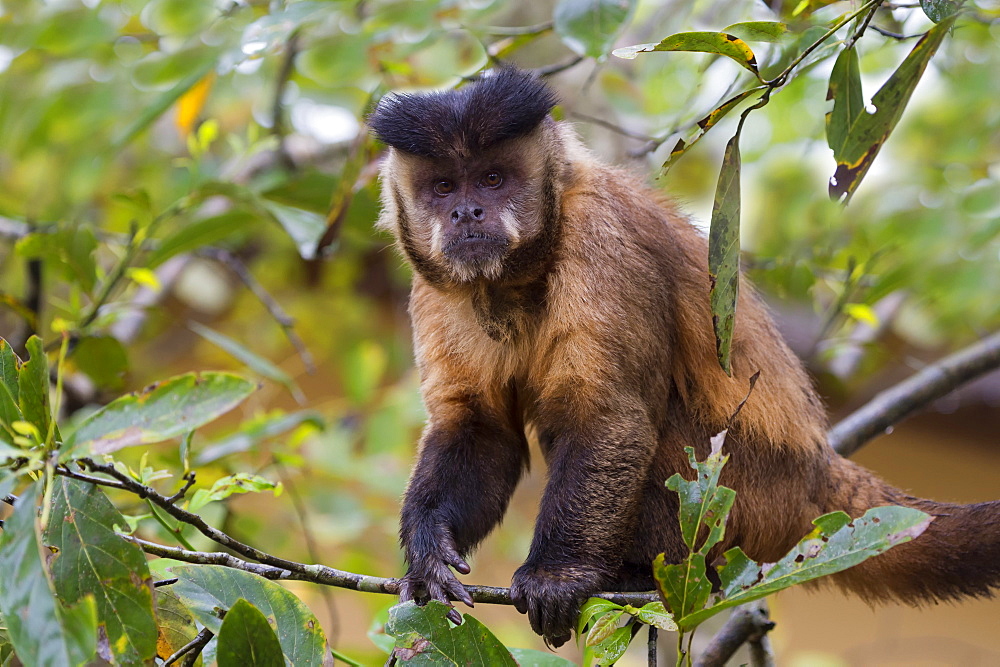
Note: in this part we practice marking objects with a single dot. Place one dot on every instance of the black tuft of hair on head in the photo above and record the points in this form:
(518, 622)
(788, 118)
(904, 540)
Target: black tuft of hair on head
(504, 104)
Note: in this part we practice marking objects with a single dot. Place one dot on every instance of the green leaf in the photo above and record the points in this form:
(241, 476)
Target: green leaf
(848, 99)
(10, 367)
(718, 43)
(757, 31)
(590, 27)
(594, 607)
(94, 561)
(103, 359)
(304, 227)
(610, 650)
(202, 63)
(246, 638)
(604, 627)
(724, 252)
(684, 586)
(656, 614)
(255, 362)
(425, 637)
(939, 10)
(201, 233)
(527, 657)
(42, 631)
(159, 412)
(683, 145)
(233, 485)
(702, 501)
(33, 388)
(176, 624)
(252, 433)
(869, 131)
(205, 589)
(835, 544)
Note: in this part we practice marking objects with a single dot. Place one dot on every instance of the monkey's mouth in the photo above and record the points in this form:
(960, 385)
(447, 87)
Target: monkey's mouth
(475, 247)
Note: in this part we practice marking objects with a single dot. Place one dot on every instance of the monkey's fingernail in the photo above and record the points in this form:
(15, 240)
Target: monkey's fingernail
(462, 567)
(454, 616)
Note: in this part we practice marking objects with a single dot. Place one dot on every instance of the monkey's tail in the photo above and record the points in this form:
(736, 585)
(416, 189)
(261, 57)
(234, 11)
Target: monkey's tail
(958, 555)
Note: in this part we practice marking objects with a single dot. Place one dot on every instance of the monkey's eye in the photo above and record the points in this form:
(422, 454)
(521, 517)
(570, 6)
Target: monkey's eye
(492, 179)
(444, 187)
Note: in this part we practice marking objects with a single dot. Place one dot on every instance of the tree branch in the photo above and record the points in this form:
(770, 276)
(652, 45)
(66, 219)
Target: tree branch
(750, 622)
(916, 392)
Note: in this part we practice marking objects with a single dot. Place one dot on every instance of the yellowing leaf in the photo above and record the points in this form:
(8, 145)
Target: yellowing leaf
(144, 277)
(191, 103)
(862, 312)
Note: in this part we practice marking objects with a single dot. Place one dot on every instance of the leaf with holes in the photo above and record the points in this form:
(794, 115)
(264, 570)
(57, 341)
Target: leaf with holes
(92, 560)
(835, 544)
(718, 43)
(685, 143)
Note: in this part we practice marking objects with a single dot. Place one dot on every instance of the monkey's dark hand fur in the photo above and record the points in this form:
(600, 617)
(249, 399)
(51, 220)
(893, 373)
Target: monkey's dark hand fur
(429, 576)
(558, 297)
(552, 597)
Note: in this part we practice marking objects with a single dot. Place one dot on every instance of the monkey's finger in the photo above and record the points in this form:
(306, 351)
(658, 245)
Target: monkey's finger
(437, 592)
(406, 590)
(452, 558)
(459, 592)
(454, 616)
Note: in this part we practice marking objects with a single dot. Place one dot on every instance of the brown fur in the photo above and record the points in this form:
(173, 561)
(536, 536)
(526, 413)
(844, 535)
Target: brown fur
(599, 339)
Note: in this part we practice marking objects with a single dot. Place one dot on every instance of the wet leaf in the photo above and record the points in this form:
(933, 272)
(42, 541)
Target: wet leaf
(724, 252)
(590, 27)
(206, 589)
(425, 637)
(247, 639)
(604, 627)
(939, 10)
(42, 631)
(656, 614)
(92, 560)
(718, 43)
(869, 130)
(610, 650)
(159, 412)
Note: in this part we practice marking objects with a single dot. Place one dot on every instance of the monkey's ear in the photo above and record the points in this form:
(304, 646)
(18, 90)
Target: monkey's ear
(505, 103)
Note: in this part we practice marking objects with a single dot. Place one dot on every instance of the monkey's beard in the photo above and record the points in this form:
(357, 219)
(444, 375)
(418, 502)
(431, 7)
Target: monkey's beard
(475, 254)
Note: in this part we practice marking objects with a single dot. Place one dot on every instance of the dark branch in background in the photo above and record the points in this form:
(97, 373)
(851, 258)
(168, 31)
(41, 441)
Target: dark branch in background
(617, 129)
(899, 402)
(749, 622)
(192, 649)
(559, 67)
(284, 320)
(893, 35)
(277, 106)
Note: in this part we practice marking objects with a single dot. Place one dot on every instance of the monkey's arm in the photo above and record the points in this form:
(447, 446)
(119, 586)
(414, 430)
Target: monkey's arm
(471, 458)
(599, 452)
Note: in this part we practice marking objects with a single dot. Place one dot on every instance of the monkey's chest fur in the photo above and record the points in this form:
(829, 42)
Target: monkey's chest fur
(504, 313)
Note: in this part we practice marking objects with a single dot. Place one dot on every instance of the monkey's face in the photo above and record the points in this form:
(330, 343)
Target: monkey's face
(466, 215)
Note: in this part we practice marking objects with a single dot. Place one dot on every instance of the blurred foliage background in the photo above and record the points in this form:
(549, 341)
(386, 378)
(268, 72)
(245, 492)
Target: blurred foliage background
(182, 179)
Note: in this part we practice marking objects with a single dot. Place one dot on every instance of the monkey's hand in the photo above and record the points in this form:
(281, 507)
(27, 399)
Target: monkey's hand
(552, 596)
(429, 578)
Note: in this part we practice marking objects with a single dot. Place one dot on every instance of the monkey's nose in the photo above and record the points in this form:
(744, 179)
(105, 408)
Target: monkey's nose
(467, 214)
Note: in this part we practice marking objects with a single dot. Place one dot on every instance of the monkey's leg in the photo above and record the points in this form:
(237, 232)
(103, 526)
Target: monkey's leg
(458, 491)
(597, 469)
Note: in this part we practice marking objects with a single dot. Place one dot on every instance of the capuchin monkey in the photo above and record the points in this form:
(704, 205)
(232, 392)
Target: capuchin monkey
(559, 297)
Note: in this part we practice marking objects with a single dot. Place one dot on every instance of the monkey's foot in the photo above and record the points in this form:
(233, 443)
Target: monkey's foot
(429, 578)
(551, 596)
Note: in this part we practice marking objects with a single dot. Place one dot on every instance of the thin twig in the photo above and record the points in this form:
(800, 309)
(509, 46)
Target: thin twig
(284, 320)
(277, 105)
(196, 645)
(617, 129)
(165, 582)
(916, 392)
(556, 68)
(515, 31)
(893, 35)
(748, 622)
(188, 483)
